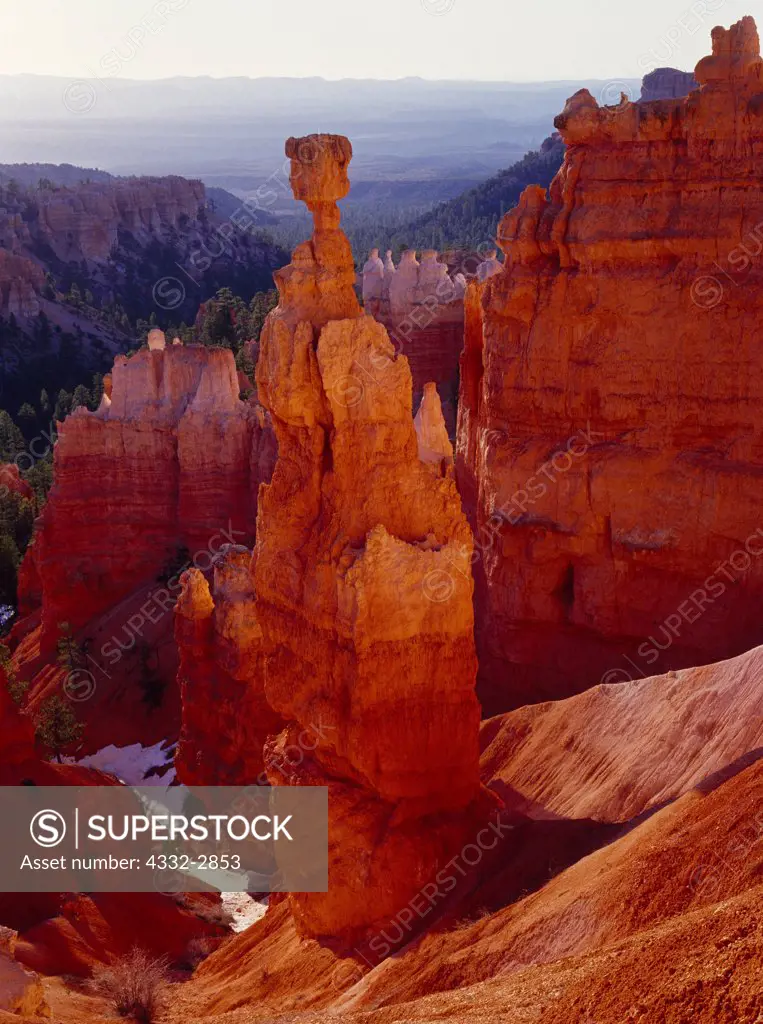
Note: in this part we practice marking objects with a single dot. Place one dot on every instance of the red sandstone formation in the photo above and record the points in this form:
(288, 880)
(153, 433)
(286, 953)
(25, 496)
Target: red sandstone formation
(610, 412)
(172, 459)
(363, 584)
(21, 283)
(619, 750)
(71, 933)
(226, 718)
(11, 481)
(627, 932)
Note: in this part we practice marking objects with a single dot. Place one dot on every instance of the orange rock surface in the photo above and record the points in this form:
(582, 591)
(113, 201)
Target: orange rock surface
(226, 718)
(659, 920)
(363, 583)
(611, 406)
(172, 459)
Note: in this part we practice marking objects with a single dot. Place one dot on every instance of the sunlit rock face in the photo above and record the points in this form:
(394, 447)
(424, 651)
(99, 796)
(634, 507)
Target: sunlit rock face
(610, 425)
(363, 585)
(171, 460)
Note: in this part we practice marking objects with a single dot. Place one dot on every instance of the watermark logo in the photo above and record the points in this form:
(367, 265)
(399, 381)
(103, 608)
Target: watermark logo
(169, 293)
(612, 94)
(347, 391)
(706, 292)
(48, 828)
(79, 685)
(79, 97)
(438, 586)
(438, 7)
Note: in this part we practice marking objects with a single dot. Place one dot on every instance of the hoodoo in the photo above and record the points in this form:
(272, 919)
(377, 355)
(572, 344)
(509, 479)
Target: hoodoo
(363, 586)
(610, 401)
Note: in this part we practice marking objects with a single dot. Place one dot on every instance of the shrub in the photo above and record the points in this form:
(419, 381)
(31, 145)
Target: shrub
(200, 948)
(135, 985)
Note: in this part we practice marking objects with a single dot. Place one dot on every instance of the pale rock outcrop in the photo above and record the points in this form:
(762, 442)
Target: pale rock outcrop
(422, 309)
(432, 435)
(156, 340)
(21, 991)
(373, 283)
(404, 284)
(490, 266)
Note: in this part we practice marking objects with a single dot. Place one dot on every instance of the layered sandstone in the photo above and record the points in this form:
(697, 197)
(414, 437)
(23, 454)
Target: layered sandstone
(169, 464)
(610, 420)
(363, 584)
(226, 718)
(83, 222)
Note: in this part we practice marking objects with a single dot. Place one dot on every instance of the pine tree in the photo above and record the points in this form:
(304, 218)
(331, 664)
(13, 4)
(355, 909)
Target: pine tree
(70, 654)
(27, 418)
(80, 397)
(57, 727)
(63, 405)
(12, 441)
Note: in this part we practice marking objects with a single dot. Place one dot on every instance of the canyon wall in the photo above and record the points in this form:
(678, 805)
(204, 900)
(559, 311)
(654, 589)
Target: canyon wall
(171, 460)
(83, 222)
(610, 426)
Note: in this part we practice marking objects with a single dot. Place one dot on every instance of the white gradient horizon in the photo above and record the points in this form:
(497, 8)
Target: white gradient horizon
(504, 40)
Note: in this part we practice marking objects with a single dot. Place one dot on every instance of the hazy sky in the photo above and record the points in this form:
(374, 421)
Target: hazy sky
(518, 40)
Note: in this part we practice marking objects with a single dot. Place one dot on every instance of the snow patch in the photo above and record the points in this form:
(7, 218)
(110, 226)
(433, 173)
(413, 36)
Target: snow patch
(134, 765)
(244, 910)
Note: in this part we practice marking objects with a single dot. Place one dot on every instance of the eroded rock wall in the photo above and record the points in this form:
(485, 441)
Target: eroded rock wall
(172, 460)
(610, 430)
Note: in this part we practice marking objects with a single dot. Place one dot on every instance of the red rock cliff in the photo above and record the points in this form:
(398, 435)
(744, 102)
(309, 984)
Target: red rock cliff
(611, 405)
(172, 459)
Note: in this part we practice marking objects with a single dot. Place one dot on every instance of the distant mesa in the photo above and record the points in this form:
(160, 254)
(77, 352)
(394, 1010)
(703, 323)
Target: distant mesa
(667, 84)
